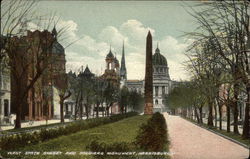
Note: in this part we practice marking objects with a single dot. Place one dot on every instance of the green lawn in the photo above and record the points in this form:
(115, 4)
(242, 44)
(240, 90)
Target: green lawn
(121, 131)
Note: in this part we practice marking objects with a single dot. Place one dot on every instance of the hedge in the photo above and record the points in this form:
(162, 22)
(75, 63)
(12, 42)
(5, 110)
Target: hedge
(16, 141)
(152, 136)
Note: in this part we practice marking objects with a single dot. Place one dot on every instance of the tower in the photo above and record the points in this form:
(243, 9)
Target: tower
(123, 70)
(148, 108)
(112, 69)
(110, 61)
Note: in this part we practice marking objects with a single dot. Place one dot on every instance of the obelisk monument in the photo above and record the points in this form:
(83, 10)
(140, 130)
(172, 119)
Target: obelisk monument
(148, 108)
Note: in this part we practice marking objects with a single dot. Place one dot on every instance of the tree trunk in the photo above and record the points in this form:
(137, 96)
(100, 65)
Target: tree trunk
(19, 104)
(76, 108)
(18, 115)
(210, 114)
(61, 110)
(196, 115)
(246, 129)
(81, 111)
(103, 111)
(97, 109)
(111, 111)
(235, 108)
(228, 117)
(87, 110)
(200, 110)
(107, 111)
(215, 113)
(220, 116)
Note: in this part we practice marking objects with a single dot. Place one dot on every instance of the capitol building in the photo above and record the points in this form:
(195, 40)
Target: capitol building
(161, 81)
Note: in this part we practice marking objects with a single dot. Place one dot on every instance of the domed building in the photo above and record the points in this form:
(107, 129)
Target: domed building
(161, 80)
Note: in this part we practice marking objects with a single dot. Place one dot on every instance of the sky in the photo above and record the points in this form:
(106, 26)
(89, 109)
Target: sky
(94, 26)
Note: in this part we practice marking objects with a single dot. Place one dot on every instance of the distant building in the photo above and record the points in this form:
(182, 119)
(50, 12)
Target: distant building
(4, 90)
(161, 82)
(112, 71)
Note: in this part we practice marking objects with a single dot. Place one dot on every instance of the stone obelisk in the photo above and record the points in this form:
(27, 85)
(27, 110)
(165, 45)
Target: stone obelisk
(148, 108)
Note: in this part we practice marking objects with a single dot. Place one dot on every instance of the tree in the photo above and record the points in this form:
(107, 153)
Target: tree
(110, 95)
(61, 82)
(124, 99)
(226, 25)
(136, 101)
(24, 52)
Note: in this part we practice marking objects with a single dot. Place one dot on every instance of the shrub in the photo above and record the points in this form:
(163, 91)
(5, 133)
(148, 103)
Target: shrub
(118, 147)
(152, 136)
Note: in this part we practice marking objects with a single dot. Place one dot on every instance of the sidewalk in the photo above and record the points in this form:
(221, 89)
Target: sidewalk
(38, 123)
(189, 141)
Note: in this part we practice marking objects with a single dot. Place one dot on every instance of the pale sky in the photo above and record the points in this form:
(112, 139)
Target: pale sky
(100, 24)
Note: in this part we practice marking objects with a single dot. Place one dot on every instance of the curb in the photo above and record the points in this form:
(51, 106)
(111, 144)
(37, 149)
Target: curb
(226, 137)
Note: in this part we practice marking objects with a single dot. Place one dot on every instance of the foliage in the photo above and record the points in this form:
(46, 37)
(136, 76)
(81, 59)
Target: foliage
(124, 98)
(136, 101)
(153, 135)
(186, 94)
(108, 133)
(96, 146)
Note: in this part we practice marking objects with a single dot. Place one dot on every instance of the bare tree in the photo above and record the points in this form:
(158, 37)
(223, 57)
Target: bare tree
(226, 23)
(26, 51)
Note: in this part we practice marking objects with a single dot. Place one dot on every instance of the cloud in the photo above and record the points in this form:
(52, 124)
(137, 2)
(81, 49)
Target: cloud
(75, 61)
(92, 51)
(174, 51)
(112, 36)
(136, 31)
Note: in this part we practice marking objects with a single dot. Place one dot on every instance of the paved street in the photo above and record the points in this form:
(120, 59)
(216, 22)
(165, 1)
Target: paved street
(189, 141)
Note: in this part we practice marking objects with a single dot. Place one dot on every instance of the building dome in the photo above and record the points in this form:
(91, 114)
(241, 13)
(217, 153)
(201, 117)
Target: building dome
(110, 55)
(159, 59)
(57, 48)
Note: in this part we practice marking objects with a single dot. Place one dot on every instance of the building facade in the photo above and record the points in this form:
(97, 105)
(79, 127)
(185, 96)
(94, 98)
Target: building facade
(161, 82)
(4, 93)
(40, 102)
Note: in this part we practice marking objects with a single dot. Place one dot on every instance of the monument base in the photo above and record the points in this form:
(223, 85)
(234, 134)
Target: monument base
(148, 108)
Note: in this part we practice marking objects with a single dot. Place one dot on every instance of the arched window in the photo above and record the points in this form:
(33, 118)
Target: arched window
(156, 101)
(110, 66)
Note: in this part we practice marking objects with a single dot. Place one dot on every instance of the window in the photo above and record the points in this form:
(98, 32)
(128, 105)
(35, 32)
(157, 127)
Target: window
(6, 107)
(156, 101)
(110, 66)
(156, 90)
(163, 90)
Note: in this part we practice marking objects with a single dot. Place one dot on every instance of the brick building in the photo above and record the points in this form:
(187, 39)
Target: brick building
(44, 55)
